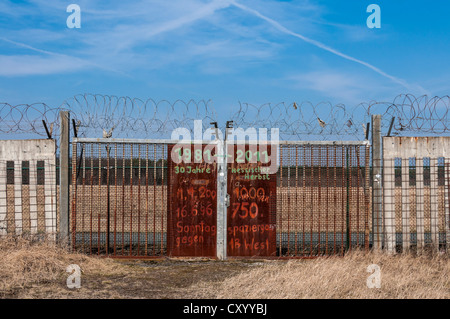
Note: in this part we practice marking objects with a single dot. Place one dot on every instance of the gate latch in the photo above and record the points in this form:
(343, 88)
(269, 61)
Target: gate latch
(227, 200)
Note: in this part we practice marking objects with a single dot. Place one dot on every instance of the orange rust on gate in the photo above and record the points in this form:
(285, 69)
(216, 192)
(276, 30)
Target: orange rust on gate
(109, 213)
(251, 216)
(328, 211)
(192, 198)
(317, 203)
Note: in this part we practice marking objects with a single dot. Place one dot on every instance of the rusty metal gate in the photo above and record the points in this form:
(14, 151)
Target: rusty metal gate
(323, 198)
(130, 200)
(119, 197)
(252, 209)
(192, 198)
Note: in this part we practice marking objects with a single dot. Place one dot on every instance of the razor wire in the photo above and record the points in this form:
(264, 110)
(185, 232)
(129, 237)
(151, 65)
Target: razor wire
(98, 115)
(102, 115)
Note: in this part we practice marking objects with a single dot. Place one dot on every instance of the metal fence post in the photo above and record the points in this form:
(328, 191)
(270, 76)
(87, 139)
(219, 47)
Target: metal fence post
(377, 200)
(221, 201)
(64, 180)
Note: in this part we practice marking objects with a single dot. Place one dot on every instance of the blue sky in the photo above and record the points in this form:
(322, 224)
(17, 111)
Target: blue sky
(228, 51)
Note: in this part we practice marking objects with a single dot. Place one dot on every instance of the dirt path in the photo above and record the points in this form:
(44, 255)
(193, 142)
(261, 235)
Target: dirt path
(161, 279)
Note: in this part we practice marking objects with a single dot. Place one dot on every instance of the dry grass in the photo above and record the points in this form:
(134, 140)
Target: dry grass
(402, 276)
(37, 270)
(25, 264)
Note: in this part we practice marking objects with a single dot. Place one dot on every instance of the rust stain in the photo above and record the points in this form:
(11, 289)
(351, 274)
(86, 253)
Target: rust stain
(251, 216)
(192, 199)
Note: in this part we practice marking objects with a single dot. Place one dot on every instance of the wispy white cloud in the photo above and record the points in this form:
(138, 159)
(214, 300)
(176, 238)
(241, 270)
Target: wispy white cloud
(335, 85)
(151, 34)
(125, 32)
(123, 35)
(23, 65)
(342, 86)
(227, 49)
(11, 9)
(58, 60)
(321, 45)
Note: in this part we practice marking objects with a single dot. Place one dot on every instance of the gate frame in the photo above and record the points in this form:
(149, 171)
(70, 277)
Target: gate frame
(221, 181)
(222, 196)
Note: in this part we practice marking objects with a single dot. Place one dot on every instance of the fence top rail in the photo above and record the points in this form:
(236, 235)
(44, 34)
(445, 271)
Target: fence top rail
(169, 141)
(312, 143)
(134, 141)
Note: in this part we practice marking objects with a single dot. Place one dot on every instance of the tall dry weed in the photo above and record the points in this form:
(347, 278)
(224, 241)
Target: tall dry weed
(402, 276)
(25, 263)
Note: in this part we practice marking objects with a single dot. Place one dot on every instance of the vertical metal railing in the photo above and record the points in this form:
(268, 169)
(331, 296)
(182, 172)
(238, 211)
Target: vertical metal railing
(119, 197)
(324, 198)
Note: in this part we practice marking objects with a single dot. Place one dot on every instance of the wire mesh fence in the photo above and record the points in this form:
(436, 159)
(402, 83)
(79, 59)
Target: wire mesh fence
(416, 199)
(28, 189)
(325, 201)
(122, 194)
(323, 204)
(119, 198)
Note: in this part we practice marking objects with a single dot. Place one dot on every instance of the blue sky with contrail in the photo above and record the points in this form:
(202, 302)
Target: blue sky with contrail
(227, 51)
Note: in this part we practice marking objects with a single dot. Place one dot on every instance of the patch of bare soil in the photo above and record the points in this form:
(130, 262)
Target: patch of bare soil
(38, 270)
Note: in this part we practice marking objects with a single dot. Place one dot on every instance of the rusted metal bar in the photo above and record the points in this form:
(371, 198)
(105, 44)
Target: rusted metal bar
(349, 198)
(343, 197)
(99, 195)
(123, 197)
(139, 202)
(116, 199)
(98, 234)
(327, 201)
(169, 141)
(131, 199)
(335, 199)
(83, 195)
(367, 197)
(92, 200)
(288, 201)
(358, 167)
(146, 201)
(154, 199)
(319, 200)
(282, 203)
(304, 202)
(163, 151)
(108, 204)
(74, 191)
(447, 206)
(311, 187)
(296, 199)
